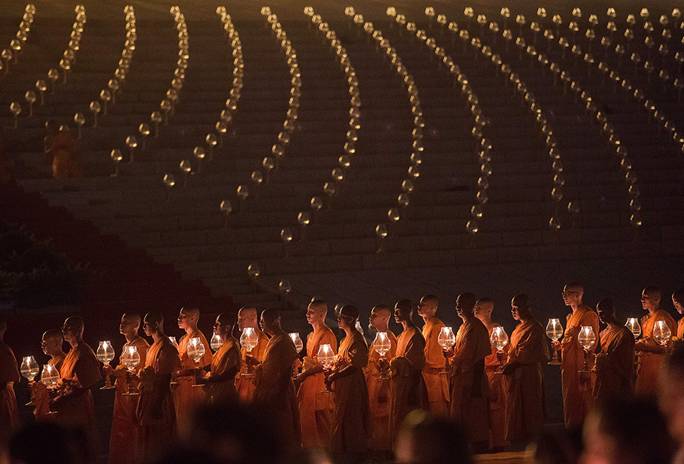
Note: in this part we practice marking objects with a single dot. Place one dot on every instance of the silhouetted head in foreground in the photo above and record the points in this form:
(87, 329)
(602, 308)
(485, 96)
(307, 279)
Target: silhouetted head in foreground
(424, 439)
(49, 443)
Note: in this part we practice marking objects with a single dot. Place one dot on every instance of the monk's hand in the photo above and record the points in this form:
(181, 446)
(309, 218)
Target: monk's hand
(383, 365)
(448, 353)
(301, 377)
(329, 379)
(251, 361)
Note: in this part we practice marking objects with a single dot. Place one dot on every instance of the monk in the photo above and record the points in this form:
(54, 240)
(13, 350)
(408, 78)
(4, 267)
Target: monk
(434, 374)
(577, 395)
(51, 343)
(80, 372)
(185, 397)
(125, 434)
(351, 420)
(484, 308)
(469, 405)
(155, 410)
(615, 361)
(407, 387)
(315, 403)
(247, 317)
(671, 397)
(64, 155)
(274, 392)
(678, 303)
(651, 354)
(523, 374)
(220, 380)
(9, 375)
(378, 387)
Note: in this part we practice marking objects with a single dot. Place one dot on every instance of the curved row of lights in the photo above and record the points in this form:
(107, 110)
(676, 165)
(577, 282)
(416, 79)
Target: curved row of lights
(599, 116)
(65, 64)
(114, 84)
(482, 143)
(394, 215)
(167, 104)
(10, 55)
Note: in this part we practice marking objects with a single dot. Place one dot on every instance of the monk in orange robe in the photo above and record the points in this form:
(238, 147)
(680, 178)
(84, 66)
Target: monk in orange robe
(434, 374)
(351, 421)
(52, 343)
(80, 372)
(407, 388)
(378, 386)
(484, 309)
(244, 382)
(155, 410)
(125, 434)
(678, 303)
(651, 354)
(64, 155)
(523, 374)
(219, 383)
(274, 392)
(9, 375)
(577, 394)
(185, 396)
(615, 361)
(315, 403)
(468, 381)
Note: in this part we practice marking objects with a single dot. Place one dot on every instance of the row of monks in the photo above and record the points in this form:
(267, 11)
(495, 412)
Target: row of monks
(359, 402)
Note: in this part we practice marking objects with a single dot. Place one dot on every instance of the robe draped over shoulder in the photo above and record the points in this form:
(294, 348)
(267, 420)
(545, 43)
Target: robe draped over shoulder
(615, 364)
(378, 396)
(497, 395)
(245, 383)
(185, 396)
(434, 375)
(225, 360)
(650, 363)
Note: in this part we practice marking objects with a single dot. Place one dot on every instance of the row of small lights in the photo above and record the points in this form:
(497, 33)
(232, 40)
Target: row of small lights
(65, 64)
(483, 144)
(11, 54)
(172, 94)
(393, 214)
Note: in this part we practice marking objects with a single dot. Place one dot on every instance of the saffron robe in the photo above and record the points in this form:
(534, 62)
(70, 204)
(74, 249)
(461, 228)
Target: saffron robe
(528, 352)
(407, 388)
(469, 405)
(245, 383)
(9, 375)
(577, 394)
(615, 364)
(680, 329)
(497, 395)
(315, 403)
(39, 392)
(155, 410)
(650, 363)
(65, 156)
(351, 421)
(185, 396)
(378, 397)
(225, 360)
(434, 374)
(274, 392)
(125, 435)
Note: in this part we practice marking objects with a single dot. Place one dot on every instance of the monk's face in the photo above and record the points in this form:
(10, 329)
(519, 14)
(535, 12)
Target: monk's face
(515, 310)
(72, 331)
(315, 314)
(51, 345)
(463, 308)
(571, 296)
(427, 308)
(401, 314)
(378, 320)
(149, 327)
(484, 310)
(649, 302)
(677, 305)
(129, 325)
(221, 327)
(186, 320)
(247, 318)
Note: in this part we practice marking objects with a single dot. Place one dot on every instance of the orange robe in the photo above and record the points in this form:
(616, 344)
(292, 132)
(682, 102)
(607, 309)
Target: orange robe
(378, 397)
(224, 365)
(155, 410)
(351, 424)
(185, 396)
(65, 157)
(274, 392)
(615, 364)
(315, 403)
(125, 434)
(497, 396)
(9, 375)
(577, 395)
(245, 382)
(407, 388)
(650, 363)
(39, 392)
(469, 405)
(528, 352)
(434, 374)
(680, 329)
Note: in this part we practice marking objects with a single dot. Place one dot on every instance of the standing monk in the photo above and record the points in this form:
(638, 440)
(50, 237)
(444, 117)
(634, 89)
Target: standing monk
(247, 317)
(378, 387)
(315, 403)
(615, 361)
(274, 391)
(51, 343)
(576, 389)
(185, 396)
(220, 381)
(9, 375)
(407, 388)
(469, 388)
(80, 372)
(155, 411)
(484, 309)
(523, 374)
(434, 376)
(678, 303)
(125, 428)
(651, 354)
(351, 422)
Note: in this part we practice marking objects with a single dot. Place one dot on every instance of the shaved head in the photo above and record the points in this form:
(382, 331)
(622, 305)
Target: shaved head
(270, 321)
(427, 307)
(316, 312)
(73, 329)
(247, 317)
(188, 318)
(53, 334)
(52, 341)
(382, 310)
(153, 323)
(130, 324)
